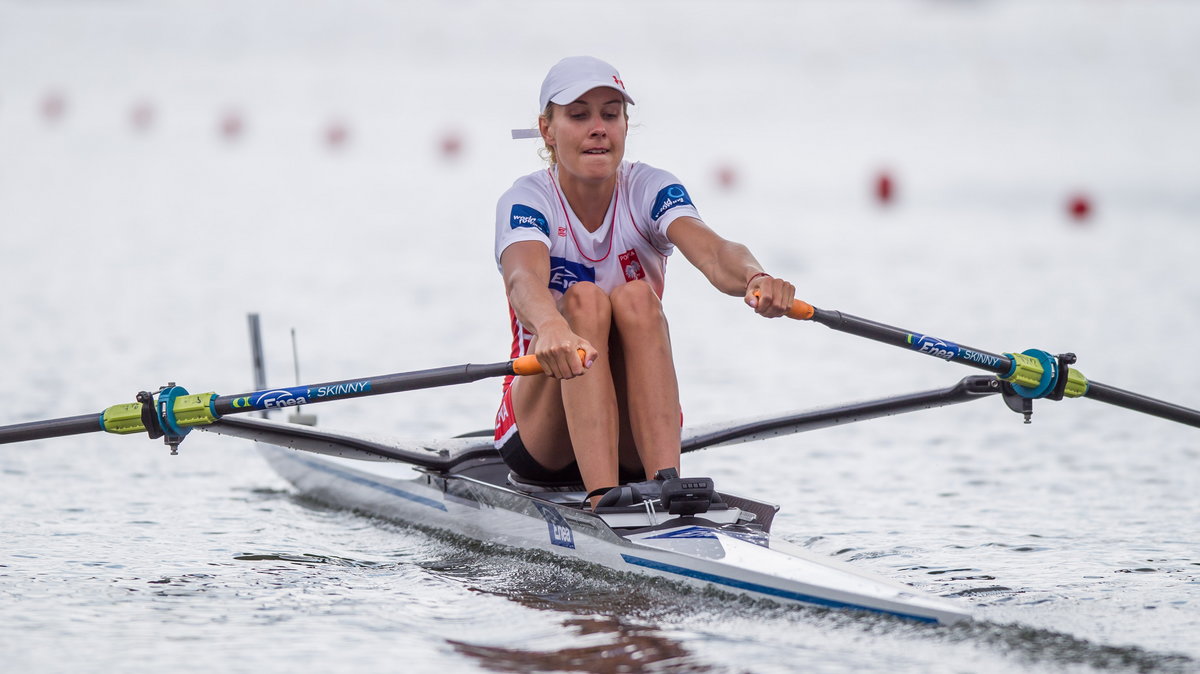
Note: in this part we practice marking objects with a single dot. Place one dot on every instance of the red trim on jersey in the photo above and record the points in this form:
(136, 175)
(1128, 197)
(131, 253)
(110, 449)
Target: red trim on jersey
(571, 228)
(633, 219)
(520, 344)
(506, 420)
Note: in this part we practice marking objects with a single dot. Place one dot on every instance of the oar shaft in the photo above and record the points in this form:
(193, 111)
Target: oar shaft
(1002, 365)
(357, 388)
(887, 334)
(174, 411)
(51, 428)
(1140, 403)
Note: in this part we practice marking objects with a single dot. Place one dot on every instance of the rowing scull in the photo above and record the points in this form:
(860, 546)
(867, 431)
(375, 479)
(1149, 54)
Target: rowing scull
(462, 486)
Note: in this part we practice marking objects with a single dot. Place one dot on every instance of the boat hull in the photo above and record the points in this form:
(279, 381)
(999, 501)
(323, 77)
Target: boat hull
(690, 550)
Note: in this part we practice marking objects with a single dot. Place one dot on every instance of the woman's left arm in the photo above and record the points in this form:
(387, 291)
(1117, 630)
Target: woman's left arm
(731, 267)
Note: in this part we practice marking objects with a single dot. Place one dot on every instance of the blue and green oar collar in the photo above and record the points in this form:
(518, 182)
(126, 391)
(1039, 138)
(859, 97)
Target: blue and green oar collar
(1037, 374)
(173, 414)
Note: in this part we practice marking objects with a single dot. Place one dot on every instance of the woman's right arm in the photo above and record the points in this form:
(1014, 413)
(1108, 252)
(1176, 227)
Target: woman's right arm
(525, 266)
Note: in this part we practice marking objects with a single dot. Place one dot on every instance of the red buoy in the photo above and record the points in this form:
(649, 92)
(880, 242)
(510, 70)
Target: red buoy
(727, 176)
(1079, 207)
(885, 189)
(336, 135)
(141, 117)
(232, 126)
(451, 144)
(54, 106)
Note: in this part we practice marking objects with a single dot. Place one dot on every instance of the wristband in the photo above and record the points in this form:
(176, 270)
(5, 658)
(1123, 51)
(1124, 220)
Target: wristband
(761, 273)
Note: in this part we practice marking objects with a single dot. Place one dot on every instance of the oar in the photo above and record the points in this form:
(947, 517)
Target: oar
(175, 411)
(1032, 374)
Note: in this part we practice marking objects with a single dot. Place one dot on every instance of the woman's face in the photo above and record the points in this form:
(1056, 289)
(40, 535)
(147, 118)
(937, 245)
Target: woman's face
(588, 135)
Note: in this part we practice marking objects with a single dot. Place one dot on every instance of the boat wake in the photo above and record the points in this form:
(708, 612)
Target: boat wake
(1036, 646)
(627, 618)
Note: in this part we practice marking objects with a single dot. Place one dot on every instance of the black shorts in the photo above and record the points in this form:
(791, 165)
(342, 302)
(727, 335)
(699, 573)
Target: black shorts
(518, 459)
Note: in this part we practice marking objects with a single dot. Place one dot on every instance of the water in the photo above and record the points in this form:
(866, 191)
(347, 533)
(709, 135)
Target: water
(130, 258)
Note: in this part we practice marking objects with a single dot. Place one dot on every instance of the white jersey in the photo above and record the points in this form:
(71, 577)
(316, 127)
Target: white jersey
(631, 243)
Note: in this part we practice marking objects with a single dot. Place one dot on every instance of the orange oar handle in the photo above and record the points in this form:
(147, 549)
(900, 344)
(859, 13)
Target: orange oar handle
(526, 365)
(801, 310)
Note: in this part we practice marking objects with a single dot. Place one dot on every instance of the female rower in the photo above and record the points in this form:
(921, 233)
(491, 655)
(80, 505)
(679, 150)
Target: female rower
(582, 247)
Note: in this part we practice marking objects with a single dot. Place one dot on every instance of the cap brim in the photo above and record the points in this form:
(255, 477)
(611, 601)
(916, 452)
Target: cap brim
(576, 92)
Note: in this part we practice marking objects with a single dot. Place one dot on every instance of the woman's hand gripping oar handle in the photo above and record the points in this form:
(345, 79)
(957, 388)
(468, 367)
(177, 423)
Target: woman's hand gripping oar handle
(801, 310)
(527, 365)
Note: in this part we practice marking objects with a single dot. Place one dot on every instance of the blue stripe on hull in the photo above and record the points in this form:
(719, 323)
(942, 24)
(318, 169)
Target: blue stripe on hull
(630, 559)
(762, 589)
(350, 477)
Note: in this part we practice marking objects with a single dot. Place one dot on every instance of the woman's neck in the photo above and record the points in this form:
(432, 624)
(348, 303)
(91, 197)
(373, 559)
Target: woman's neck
(589, 200)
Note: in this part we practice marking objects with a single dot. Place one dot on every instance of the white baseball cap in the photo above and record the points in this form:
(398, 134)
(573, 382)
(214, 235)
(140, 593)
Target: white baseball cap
(574, 76)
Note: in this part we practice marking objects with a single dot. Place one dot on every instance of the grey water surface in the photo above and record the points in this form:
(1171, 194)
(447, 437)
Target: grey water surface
(137, 230)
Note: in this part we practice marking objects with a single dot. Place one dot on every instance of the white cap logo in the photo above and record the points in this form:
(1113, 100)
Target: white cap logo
(574, 76)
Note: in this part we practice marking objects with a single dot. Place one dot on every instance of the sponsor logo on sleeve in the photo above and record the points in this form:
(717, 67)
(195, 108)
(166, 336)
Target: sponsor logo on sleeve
(344, 389)
(299, 395)
(524, 216)
(669, 197)
(981, 358)
(275, 398)
(933, 346)
(565, 273)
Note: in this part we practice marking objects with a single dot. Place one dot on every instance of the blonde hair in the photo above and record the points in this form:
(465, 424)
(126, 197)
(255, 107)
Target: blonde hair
(546, 152)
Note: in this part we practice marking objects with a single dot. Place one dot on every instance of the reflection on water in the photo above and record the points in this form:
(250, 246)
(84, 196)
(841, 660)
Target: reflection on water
(303, 558)
(623, 647)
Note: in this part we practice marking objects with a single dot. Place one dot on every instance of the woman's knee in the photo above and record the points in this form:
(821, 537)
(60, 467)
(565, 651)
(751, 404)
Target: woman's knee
(584, 302)
(636, 303)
